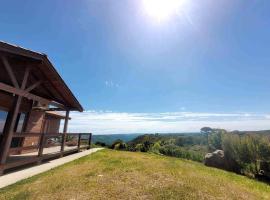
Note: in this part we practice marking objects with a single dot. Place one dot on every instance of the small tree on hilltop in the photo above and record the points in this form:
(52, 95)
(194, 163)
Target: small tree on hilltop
(206, 131)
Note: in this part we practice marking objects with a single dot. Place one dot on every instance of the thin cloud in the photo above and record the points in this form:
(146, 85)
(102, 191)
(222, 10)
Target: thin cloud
(108, 122)
(111, 84)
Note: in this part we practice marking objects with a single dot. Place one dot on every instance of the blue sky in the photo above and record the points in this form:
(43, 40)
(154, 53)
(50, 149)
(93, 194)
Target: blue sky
(211, 58)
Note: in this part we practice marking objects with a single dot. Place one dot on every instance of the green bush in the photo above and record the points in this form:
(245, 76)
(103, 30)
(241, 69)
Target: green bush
(155, 148)
(248, 151)
(118, 145)
(102, 144)
(139, 147)
(175, 151)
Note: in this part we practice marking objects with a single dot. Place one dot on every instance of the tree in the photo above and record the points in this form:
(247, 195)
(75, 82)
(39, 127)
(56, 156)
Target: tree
(206, 131)
(215, 139)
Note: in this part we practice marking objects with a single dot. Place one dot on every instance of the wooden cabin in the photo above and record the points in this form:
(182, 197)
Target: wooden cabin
(34, 99)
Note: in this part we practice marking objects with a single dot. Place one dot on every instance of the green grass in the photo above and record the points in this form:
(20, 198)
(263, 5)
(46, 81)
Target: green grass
(111, 174)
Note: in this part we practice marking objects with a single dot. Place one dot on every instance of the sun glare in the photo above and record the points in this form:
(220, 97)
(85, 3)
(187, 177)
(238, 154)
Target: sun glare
(162, 10)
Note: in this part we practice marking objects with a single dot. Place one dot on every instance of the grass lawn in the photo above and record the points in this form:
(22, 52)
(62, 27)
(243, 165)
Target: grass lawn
(111, 174)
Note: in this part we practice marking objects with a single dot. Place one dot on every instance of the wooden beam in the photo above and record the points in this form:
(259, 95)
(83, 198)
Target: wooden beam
(66, 122)
(25, 134)
(33, 86)
(59, 105)
(47, 90)
(79, 141)
(41, 144)
(10, 71)
(54, 109)
(21, 92)
(25, 78)
(65, 131)
(44, 85)
(9, 128)
(28, 95)
(16, 149)
(89, 141)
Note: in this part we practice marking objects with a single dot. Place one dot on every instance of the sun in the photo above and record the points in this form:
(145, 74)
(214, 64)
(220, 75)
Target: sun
(162, 10)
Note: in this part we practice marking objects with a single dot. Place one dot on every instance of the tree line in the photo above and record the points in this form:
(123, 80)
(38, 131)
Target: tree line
(246, 153)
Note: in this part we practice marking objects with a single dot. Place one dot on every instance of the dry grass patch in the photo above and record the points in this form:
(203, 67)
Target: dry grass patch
(125, 175)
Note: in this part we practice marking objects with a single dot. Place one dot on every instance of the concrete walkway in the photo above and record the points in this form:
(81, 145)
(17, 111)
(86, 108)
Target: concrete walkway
(14, 177)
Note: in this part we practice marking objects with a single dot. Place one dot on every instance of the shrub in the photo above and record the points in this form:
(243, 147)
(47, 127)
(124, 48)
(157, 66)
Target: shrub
(139, 147)
(175, 151)
(248, 151)
(155, 148)
(118, 145)
(102, 144)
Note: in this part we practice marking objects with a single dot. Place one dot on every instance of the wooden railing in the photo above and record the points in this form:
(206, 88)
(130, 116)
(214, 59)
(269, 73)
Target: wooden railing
(77, 140)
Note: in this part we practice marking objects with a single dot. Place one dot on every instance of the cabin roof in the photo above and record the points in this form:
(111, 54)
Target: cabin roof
(52, 87)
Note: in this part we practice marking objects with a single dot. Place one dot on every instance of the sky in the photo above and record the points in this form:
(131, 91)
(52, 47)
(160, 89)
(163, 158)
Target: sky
(206, 63)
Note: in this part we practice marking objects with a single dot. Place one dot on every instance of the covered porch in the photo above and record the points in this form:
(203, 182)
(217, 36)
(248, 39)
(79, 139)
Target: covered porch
(31, 88)
(75, 142)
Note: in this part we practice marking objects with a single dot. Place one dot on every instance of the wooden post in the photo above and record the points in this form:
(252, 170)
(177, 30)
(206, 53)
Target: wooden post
(41, 144)
(25, 123)
(79, 141)
(65, 131)
(89, 141)
(12, 114)
(9, 128)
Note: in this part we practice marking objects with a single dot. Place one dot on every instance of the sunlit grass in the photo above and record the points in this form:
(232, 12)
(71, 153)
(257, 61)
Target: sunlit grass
(125, 175)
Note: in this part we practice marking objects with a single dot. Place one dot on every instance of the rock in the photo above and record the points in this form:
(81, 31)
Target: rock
(265, 169)
(215, 159)
(219, 160)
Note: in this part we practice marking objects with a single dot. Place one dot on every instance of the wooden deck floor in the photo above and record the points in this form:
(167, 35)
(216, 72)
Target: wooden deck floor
(21, 160)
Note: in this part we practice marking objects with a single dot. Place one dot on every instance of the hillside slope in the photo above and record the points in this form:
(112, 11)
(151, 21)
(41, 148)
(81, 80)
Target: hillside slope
(125, 175)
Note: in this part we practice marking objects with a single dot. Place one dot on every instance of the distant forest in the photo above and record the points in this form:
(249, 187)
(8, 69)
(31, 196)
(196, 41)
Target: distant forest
(109, 139)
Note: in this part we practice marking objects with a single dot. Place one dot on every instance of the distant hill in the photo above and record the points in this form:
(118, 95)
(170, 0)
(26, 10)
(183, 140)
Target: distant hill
(263, 132)
(109, 139)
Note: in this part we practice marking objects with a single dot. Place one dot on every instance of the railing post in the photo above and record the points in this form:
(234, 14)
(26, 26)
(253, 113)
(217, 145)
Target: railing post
(79, 141)
(41, 144)
(63, 142)
(89, 141)
(65, 131)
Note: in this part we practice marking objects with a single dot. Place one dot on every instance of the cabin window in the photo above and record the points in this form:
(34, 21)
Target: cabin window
(20, 122)
(3, 117)
(19, 127)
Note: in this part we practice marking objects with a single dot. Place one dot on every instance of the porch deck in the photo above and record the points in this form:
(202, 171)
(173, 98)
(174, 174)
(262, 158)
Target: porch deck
(43, 152)
(22, 174)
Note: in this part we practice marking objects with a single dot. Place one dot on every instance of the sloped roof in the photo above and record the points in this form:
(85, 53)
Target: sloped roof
(53, 87)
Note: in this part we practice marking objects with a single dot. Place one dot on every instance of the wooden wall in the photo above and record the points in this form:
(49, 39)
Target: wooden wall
(6, 102)
(52, 124)
(35, 125)
(38, 121)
